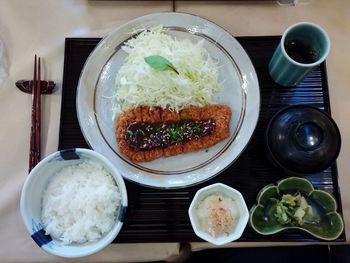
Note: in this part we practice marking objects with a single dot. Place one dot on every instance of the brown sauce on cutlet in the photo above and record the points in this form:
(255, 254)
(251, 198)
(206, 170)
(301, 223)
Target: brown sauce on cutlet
(146, 135)
(220, 114)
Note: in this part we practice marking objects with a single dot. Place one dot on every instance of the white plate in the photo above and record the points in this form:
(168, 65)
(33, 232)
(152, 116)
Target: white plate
(240, 91)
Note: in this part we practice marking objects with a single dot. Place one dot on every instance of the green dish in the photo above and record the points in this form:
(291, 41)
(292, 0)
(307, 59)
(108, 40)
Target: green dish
(324, 223)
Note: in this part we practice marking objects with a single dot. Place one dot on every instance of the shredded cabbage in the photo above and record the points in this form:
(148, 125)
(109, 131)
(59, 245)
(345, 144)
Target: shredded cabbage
(137, 84)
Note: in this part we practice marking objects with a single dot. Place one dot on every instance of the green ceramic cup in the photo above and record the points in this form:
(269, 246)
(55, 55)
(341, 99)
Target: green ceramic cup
(303, 46)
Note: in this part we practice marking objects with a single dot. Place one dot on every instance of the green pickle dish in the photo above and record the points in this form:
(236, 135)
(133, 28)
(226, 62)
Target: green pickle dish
(295, 204)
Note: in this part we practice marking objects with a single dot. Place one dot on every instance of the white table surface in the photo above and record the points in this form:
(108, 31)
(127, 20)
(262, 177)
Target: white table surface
(40, 26)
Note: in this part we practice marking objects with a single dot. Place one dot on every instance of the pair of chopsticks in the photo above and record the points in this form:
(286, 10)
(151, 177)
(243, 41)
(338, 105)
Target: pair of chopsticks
(35, 145)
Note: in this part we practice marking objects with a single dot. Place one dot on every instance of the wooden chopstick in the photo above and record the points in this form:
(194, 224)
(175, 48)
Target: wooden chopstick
(35, 137)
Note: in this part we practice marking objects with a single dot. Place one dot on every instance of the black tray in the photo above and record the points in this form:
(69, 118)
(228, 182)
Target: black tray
(161, 215)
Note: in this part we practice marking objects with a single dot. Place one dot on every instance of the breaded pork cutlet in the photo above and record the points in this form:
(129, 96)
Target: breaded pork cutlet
(152, 115)
(170, 116)
(122, 125)
(219, 114)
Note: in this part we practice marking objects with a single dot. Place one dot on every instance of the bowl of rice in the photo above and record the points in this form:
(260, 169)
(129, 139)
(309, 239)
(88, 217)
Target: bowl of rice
(218, 214)
(73, 203)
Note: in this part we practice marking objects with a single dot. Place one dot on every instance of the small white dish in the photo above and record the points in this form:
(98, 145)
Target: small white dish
(241, 219)
(31, 202)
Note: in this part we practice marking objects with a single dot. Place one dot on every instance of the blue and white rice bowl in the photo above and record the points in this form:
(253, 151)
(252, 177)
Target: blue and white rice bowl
(32, 197)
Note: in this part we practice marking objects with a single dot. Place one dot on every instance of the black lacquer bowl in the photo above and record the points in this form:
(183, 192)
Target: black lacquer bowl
(302, 139)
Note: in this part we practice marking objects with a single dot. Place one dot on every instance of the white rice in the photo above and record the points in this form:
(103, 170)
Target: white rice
(80, 203)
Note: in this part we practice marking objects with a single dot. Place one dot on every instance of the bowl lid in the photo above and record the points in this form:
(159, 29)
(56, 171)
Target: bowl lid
(303, 139)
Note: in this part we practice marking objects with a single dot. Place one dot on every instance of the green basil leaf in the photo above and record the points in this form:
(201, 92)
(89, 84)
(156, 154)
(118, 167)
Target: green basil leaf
(160, 63)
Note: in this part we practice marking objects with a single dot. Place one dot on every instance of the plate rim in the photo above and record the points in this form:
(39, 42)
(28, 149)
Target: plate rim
(251, 129)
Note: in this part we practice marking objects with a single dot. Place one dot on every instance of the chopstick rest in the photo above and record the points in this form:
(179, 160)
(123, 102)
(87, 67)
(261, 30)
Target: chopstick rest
(46, 86)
